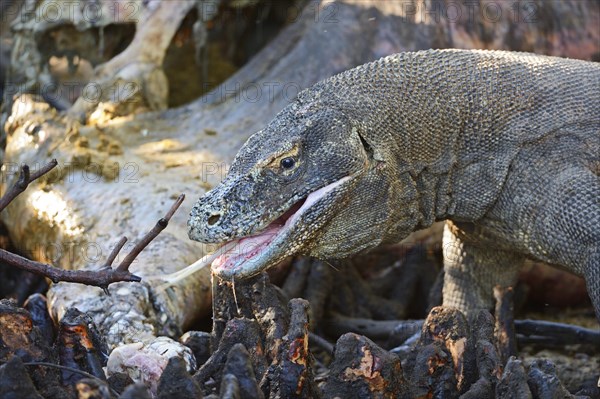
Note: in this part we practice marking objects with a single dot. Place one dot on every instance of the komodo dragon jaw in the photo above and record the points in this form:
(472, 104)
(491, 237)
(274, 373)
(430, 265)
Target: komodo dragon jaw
(287, 235)
(274, 209)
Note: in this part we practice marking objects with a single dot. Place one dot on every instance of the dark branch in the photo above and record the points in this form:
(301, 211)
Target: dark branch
(47, 168)
(321, 343)
(337, 325)
(115, 252)
(98, 278)
(160, 226)
(24, 179)
(534, 331)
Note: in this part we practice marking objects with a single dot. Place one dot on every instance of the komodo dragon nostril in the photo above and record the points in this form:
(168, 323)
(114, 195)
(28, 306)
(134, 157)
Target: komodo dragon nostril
(212, 219)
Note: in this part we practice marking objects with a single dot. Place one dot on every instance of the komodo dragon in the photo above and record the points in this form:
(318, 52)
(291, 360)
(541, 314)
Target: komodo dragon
(504, 146)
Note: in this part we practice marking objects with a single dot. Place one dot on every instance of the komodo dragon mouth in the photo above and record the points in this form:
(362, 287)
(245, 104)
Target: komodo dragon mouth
(247, 256)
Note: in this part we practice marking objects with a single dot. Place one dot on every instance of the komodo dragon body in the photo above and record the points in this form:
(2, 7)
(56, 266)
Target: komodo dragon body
(504, 146)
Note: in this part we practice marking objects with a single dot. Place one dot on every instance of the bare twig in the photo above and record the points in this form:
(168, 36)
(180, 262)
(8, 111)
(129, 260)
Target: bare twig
(98, 278)
(24, 179)
(47, 168)
(115, 252)
(160, 226)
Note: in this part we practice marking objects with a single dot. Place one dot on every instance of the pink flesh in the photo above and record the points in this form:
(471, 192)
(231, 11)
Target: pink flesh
(248, 247)
(245, 249)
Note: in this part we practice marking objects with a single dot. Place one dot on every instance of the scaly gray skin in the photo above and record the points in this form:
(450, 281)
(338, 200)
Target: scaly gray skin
(505, 146)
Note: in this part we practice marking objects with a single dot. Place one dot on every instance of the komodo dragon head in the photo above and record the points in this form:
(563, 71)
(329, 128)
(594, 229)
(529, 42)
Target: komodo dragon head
(308, 183)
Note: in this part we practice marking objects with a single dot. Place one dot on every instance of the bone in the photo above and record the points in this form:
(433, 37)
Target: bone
(146, 362)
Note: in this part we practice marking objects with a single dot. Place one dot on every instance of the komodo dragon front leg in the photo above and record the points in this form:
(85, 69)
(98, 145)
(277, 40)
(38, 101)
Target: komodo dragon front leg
(552, 216)
(473, 267)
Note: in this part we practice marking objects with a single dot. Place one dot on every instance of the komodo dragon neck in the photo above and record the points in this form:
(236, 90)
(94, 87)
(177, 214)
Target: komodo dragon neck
(452, 125)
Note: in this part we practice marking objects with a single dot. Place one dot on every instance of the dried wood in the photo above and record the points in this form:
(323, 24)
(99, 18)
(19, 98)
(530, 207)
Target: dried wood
(241, 330)
(336, 324)
(543, 382)
(556, 334)
(100, 278)
(15, 381)
(290, 374)
(200, 342)
(176, 383)
(505, 324)
(80, 347)
(136, 391)
(239, 365)
(362, 369)
(37, 306)
(513, 383)
(449, 327)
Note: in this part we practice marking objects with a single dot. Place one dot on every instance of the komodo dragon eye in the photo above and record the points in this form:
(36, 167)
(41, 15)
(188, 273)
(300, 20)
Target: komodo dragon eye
(287, 163)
